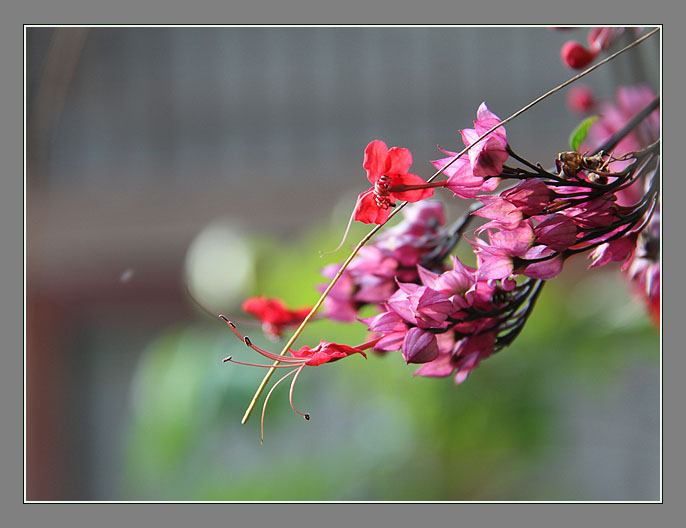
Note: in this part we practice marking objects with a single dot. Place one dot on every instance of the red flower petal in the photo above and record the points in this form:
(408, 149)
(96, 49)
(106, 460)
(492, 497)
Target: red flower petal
(414, 195)
(325, 352)
(375, 159)
(399, 161)
(367, 210)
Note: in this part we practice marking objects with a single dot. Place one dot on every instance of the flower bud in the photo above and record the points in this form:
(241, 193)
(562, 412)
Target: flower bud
(574, 55)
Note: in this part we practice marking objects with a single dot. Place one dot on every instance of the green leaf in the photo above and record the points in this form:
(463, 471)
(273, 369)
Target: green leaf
(580, 132)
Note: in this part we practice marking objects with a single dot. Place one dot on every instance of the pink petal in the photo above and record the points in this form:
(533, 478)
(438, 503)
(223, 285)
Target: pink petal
(558, 232)
(503, 212)
(493, 266)
(469, 136)
(514, 241)
(419, 346)
(427, 277)
(438, 368)
(488, 157)
(530, 196)
(484, 113)
(385, 322)
(615, 251)
(391, 342)
(546, 269)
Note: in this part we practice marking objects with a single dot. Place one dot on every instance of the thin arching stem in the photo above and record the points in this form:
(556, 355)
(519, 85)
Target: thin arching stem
(376, 229)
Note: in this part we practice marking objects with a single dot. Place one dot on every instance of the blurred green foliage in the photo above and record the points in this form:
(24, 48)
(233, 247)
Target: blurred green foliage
(377, 433)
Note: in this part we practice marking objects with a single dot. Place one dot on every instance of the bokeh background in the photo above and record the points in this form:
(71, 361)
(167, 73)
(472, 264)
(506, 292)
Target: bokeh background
(224, 159)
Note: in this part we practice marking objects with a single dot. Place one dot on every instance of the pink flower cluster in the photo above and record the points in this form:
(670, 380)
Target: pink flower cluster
(448, 322)
(371, 276)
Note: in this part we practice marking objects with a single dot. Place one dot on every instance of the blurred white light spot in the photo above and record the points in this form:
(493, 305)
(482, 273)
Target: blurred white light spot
(126, 275)
(219, 266)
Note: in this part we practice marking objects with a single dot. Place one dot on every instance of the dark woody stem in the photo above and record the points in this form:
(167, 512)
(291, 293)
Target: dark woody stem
(454, 236)
(612, 141)
(538, 170)
(507, 339)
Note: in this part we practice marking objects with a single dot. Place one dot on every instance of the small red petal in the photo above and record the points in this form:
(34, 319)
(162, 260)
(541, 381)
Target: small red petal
(414, 195)
(368, 211)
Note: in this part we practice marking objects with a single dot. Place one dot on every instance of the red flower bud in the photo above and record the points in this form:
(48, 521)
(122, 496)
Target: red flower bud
(574, 55)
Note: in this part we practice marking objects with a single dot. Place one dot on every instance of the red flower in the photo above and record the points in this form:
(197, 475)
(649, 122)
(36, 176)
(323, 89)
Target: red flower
(274, 314)
(387, 170)
(574, 55)
(324, 352)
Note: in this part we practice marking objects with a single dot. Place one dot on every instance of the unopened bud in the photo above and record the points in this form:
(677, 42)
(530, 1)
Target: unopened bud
(574, 55)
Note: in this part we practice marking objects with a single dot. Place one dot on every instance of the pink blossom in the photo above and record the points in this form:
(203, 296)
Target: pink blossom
(597, 212)
(502, 213)
(548, 267)
(420, 305)
(614, 251)
(371, 276)
(340, 305)
(419, 346)
(601, 38)
(580, 99)
(456, 281)
(557, 231)
(643, 268)
(530, 196)
(465, 357)
(486, 158)
(461, 180)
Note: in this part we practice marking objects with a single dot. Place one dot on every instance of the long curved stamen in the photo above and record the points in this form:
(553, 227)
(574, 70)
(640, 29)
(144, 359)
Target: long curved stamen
(345, 236)
(261, 351)
(266, 400)
(290, 397)
(230, 359)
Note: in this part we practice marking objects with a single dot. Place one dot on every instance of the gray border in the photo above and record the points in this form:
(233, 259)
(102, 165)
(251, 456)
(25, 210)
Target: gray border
(309, 11)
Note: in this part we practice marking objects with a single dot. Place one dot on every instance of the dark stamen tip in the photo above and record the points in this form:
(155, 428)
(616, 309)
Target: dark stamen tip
(247, 341)
(223, 317)
(226, 359)
(307, 417)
